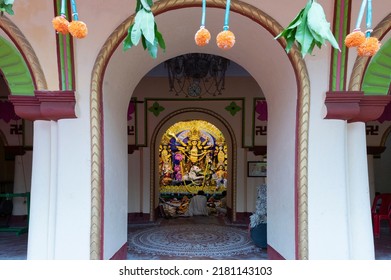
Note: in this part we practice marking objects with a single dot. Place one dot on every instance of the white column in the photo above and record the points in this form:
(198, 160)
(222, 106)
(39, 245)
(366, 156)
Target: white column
(52, 214)
(22, 182)
(43, 192)
(359, 213)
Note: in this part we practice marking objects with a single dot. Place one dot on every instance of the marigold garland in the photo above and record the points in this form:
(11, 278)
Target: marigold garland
(78, 29)
(202, 37)
(225, 39)
(369, 48)
(60, 24)
(354, 39)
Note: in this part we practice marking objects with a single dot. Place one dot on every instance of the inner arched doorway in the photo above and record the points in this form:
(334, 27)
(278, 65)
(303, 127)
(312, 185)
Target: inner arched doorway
(208, 123)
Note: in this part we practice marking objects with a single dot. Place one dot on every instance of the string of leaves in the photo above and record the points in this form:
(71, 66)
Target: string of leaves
(144, 28)
(309, 29)
(6, 6)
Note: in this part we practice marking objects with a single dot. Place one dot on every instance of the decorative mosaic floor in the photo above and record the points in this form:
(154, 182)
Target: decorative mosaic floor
(13, 247)
(194, 241)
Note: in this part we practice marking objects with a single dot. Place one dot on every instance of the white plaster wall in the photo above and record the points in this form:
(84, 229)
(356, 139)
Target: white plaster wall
(115, 176)
(34, 19)
(326, 156)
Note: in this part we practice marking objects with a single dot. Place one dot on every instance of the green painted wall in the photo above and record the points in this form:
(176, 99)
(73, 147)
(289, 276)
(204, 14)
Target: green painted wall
(15, 69)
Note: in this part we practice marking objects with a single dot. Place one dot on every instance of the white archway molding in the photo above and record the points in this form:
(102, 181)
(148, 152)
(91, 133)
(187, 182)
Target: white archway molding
(250, 58)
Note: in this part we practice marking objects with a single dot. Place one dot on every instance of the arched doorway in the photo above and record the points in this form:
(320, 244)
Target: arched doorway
(220, 130)
(297, 163)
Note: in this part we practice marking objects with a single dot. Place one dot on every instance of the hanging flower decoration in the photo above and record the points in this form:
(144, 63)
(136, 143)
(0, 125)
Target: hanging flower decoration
(369, 47)
(366, 45)
(226, 39)
(144, 28)
(355, 38)
(60, 24)
(76, 28)
(6, 6)
(309, 29)
(202, 37)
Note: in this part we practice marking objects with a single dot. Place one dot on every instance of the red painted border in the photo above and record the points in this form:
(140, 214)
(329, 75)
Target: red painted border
(122, 253)
(272, 254)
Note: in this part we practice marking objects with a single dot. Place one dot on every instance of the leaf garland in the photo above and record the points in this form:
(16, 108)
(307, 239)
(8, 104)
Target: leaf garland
(309, 29)
(6, 6)
(144, 28)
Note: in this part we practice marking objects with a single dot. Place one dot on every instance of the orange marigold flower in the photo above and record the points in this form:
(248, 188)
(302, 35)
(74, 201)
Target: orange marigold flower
(225, 39)
(202, 37)
(354, 39)
(369, 48)
(78, 29)
(61, 24)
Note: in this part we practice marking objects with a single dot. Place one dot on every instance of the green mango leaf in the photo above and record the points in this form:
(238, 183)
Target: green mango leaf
(145, 5)
(6, 6)
(144, 28)
(320, 26)
(143, 42)
(330, 37)
(139, 6)
(159, 37)
(312, 47)
(295, 22)
(128, 40)
(317, 37)
(303, 34)
(152, 48)
(147, 25)
(289, 43)
(8, 9)
(317, 19)
(136, 30)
